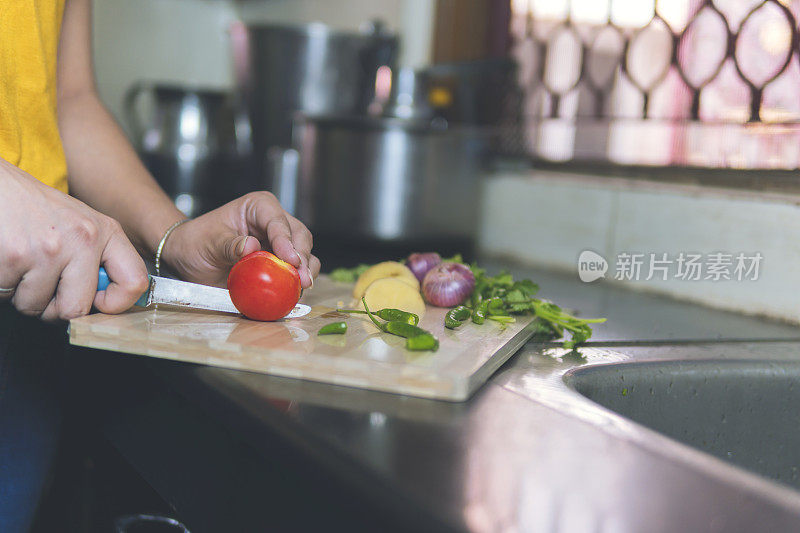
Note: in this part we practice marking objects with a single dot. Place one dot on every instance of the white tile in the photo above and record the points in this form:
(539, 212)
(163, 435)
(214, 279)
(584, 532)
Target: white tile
(546, 221)
(674, 223)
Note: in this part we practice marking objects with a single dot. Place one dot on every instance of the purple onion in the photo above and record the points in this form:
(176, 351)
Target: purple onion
(448, 284)
(420, 264)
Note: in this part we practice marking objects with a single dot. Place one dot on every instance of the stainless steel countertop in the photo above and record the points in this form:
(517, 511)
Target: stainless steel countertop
(526, 453)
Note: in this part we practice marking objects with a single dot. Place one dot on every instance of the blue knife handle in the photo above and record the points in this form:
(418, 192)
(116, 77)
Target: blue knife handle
(103, 280)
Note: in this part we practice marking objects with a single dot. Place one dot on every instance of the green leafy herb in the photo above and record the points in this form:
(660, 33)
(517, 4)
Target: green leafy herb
(500, 296)
(348, 275)
(455, 259)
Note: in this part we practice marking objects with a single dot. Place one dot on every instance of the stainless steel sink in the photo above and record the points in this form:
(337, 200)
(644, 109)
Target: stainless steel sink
(744, 412)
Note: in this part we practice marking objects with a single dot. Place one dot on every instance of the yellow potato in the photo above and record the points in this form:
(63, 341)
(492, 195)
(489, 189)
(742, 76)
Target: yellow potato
(387, 269)
(393, 293)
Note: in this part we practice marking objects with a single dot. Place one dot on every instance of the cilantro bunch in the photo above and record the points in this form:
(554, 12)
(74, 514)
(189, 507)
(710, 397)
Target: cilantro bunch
(502, 296)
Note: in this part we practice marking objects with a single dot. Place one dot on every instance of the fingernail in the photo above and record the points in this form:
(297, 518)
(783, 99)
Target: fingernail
(240, 246)
(311, 285)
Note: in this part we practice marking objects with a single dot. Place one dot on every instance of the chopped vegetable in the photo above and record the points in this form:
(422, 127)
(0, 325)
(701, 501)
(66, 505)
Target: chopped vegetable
(394, 293)
(393, 315)
(387, 269)
(479, 313)
(474, 294)
(422, 342)
(499, 297)
(456, 316)
(401, 329)
(334, 328)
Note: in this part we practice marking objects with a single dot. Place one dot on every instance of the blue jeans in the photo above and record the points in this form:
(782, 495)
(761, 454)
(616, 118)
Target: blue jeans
(30, 355)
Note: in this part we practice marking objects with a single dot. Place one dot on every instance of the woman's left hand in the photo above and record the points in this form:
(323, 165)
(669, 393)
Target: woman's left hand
(203, 250)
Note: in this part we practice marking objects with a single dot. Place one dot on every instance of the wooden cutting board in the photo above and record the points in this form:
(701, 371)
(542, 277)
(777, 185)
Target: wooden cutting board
(364, 357)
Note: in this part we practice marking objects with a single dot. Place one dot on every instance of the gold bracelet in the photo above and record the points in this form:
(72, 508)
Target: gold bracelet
(164, 241)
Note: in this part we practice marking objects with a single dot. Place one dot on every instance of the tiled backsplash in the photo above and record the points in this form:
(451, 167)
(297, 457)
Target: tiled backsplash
(549, 218)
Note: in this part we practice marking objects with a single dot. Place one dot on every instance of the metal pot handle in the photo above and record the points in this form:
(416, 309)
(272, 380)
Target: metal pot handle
(282, 165)
(122, 523)
(129, 105)
(242, 128)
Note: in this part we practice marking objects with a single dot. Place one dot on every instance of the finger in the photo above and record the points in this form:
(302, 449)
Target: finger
(265, 217)
(233, 247)
(301, 236)
(6, 292)
(36, 290)
(315, 266)
(12, 268)
(76, 289)
(279, 235)
(302, 240)
(306, 281)
(127, 273)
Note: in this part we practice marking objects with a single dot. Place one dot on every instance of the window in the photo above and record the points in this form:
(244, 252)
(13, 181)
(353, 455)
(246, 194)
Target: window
(697, 83)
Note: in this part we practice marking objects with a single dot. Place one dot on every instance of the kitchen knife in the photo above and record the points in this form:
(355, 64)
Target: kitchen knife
(184, 294)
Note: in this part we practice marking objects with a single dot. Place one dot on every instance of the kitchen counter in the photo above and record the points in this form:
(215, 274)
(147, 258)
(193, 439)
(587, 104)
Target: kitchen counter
(236, 451)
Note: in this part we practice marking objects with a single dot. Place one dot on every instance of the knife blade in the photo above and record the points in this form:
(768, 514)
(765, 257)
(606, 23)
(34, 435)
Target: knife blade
(178, 293)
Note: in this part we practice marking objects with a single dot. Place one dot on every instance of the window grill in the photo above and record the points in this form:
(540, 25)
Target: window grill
(700, 83)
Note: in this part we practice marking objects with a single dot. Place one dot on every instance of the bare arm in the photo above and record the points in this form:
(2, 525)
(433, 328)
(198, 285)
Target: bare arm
(104, 170)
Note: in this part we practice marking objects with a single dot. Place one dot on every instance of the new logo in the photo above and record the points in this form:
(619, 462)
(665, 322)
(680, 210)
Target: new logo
(591, 266)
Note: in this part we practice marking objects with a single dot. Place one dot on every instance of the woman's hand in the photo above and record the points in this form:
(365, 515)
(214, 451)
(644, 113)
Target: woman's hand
(51, 246)
(203, 250)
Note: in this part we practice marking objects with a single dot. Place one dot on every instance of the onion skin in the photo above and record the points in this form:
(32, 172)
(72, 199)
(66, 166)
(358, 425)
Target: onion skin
(421, 264)
(448, 284)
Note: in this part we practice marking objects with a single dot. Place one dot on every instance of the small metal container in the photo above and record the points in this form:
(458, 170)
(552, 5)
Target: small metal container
(387, 179)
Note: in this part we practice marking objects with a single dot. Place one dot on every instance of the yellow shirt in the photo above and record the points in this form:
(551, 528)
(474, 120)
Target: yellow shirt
(29, 139)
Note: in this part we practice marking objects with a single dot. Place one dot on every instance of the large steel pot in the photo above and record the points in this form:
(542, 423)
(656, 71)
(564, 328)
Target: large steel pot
(312, 69)
(386, 179)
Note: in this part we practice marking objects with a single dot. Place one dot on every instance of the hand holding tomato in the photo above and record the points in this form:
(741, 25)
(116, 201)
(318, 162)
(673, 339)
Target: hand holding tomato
(264, 287)
(204, 249)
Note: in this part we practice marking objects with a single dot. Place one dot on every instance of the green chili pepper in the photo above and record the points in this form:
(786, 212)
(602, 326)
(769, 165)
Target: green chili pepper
(381, 326)
(398, 315)
(391, 315)
(496, 306)
(401, 329)
(334, 328)
(422, 342)
(479, 313)
(456, 316)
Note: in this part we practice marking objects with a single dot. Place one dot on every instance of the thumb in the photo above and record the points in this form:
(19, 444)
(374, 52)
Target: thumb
(237, 246)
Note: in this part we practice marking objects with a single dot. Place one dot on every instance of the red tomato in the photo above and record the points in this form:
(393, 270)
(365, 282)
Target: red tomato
(264, 287)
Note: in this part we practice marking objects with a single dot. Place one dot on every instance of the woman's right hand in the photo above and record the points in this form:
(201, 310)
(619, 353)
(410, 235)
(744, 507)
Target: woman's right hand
(51, 247)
